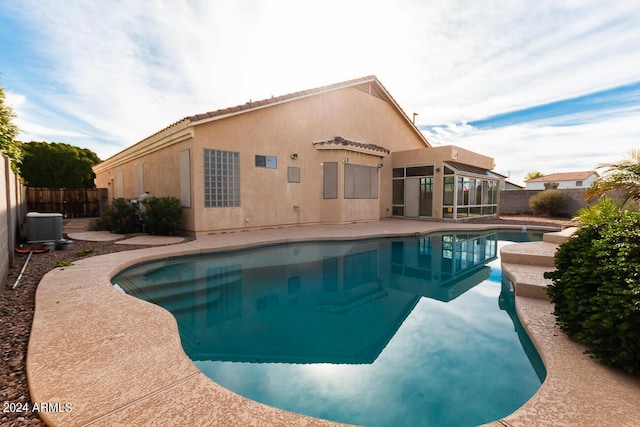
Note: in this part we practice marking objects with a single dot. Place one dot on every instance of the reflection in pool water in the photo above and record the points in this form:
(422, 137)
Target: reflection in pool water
(376, 332)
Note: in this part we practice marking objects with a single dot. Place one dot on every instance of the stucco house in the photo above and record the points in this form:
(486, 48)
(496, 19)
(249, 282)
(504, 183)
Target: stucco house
(561, 181)
(340, 153)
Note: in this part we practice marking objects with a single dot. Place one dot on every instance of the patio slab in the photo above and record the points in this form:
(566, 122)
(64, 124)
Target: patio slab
(119, 239)
(95, 236)
(150, 240)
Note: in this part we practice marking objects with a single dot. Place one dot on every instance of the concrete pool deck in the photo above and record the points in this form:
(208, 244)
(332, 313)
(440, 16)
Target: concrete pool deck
(116, 360)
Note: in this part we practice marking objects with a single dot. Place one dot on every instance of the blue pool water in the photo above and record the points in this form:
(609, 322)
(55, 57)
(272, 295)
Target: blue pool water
(385, 332)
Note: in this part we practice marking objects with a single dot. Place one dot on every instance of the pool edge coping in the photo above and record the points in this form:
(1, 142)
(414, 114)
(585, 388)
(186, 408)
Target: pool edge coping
(205, 402)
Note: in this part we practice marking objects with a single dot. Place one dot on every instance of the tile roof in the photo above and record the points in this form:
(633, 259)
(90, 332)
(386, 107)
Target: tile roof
(564, 176)
(340, 141)
(277, 99)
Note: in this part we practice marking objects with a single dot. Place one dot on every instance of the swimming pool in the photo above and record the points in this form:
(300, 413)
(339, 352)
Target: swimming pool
(414, 331)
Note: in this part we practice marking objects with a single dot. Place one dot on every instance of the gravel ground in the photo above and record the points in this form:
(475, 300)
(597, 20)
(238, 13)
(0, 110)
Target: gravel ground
(17, 306)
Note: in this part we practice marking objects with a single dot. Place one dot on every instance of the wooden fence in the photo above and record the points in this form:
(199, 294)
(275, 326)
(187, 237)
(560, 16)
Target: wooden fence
(70, 202)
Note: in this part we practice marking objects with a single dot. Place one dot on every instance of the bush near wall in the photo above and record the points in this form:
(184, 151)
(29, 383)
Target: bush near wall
(119, 217)
(596, 288)
(516, 202)
(163, 215)
(548, 202)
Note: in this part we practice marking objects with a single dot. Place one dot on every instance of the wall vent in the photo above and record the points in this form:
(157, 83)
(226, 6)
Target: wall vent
(372, 89)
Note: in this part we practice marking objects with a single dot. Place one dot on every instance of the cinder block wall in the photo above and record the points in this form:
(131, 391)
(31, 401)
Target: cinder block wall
(516, 202)
(10, 211)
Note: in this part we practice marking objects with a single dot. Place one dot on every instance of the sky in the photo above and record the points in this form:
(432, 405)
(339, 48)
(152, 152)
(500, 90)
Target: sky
(550, 86)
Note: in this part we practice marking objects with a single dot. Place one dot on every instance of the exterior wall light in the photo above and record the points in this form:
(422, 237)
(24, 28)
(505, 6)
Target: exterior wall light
(345, 160)
(294, 156)
(380, 165)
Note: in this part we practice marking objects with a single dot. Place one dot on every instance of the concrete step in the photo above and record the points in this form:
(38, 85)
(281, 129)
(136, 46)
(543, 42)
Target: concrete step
(529, 253)
(559, 237)
(528, 280)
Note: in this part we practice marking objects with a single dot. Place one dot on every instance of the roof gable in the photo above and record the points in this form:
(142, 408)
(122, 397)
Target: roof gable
(369, 84)
(184, 127)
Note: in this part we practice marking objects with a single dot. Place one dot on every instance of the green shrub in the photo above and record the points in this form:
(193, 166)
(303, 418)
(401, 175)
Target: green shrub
(163, 215)
(604, 210)
(119, 217)
(596, 288)
(85, 251)
(547, 202)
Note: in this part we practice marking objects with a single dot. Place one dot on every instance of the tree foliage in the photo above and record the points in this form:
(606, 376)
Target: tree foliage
(58, 165)
(8, 132)
(622, 176)
(533, 175)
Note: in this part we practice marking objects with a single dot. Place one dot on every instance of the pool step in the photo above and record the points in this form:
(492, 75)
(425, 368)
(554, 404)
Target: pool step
(559, 237)
(529, 253)
(528, 280)
(525, 263)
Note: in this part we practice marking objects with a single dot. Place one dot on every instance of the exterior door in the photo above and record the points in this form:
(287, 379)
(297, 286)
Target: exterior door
(412, 197)
(426, 196)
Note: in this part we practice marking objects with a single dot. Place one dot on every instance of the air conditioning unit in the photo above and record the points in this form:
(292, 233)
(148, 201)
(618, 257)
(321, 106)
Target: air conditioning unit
(44, 227)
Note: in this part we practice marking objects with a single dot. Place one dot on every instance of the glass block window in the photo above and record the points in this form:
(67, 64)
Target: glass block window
(221, 178)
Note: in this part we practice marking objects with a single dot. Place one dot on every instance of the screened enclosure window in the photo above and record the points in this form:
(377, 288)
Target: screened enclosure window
(420, 171)
(360, 182)
(269, 162)
(398, 192)
(221, 178)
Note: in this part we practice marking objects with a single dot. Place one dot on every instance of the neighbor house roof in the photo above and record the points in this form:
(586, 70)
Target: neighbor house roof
(564, 176)
(340, 143)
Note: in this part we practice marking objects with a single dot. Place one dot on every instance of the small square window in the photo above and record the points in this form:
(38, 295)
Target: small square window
(269, 162)
(578, 183)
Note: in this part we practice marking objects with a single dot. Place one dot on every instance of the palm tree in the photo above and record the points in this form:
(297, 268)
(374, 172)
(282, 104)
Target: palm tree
(622, 177)
(533, 175)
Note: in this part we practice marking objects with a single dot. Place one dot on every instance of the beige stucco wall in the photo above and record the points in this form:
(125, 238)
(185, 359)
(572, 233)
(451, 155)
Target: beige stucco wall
(446, 153)
(279, 130)
(267, 198)
(160, 177)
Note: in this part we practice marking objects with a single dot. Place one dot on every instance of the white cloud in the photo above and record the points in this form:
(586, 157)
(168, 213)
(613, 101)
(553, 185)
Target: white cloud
(14, 100)
(523, 148)
(125, 69)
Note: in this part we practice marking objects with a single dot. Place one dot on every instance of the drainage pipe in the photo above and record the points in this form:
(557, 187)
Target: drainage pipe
(22, 271)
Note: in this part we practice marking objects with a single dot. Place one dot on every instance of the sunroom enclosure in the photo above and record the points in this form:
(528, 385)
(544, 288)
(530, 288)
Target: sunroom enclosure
(475, 190)
(467, 191)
